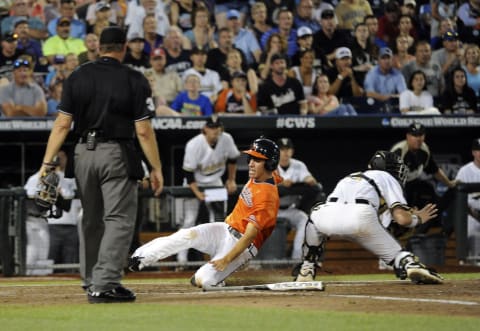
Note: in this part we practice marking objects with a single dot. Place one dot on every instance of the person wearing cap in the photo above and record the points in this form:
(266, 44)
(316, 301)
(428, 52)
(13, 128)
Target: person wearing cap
(470, 173)
(318, 7)
(305, 42)
(22, 96)
(243, 39)
(210, 84)
(208, 156)
(8, 54)
(92, 52)
(222, 8)
(135, 57)
(165, 85)
(351, 12)
(433, 71)
(279, 93)
(102, 18)
(418, 158)
(299, 190)
(451, 54)
(304, 16)
(330, 37)
(236, 99)
(78, 28)
(383, 82)
(62, 43)
(22, 9)
(109, 105)
(442, 17)
(285, 29)
(230, 244)
(342, 78)
(29, 45)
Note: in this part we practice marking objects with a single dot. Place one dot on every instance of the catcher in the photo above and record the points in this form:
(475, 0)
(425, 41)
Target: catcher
(351, 212)
(233, 243)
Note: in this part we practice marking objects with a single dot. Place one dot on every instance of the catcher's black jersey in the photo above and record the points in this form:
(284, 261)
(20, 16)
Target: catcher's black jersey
(416, 161)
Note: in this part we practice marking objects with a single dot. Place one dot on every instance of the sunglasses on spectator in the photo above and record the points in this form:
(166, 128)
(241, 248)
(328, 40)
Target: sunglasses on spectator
(21, 63)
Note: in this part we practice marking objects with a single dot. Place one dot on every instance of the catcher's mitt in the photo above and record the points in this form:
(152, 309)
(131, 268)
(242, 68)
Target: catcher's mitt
(46, 196)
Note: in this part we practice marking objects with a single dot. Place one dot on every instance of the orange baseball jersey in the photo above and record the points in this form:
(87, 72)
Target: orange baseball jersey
(258, 204)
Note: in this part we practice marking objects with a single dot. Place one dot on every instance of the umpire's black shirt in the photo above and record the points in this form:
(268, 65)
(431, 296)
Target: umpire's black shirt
(108, 97)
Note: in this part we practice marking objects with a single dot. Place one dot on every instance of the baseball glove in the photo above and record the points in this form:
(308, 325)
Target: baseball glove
(46, 196)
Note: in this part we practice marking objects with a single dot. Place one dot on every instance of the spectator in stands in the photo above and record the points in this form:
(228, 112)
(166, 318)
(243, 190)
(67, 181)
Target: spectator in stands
(178, 58)
(244, 39)
(102, 18)
(406, 29)
(62, 43)
(443, 15)
(58, 65)
(8, 54)
(274, 7)
(275, 44)
(318, 7)
(423, 61)
(436, 41)
(135, 57)
(71, 63)
(388, 23)
(451, 54)
(117, 14)
(469, 21)
(152, 38)
(322, 102)
(78, 28)
(23, 96)
(364, 54)
(181, 12)
(459, 98)
(191, 102)
(401, 55)
(22, 9)
(344, 83)
(285, 29)
(417, 100)
(304, 16)
(329, 38)
(305, 42)
(472, 66)
(51, 10)
(351, 12)
(28, 45)
(383, 82)
(234, 63)
(470, 173)
(165, 85)
(210, 84)
(202, 34)
(54, 97)
(137, 11)
(237, 100)
(223, 6)
(305, 73)
(92, 52)
(372, 24)
(259, 20)
(280, 93)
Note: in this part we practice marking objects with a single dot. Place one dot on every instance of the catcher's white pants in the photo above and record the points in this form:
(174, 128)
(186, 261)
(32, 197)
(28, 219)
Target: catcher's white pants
(213, 239)
(38, 245)
(297, 219)
(358, 223)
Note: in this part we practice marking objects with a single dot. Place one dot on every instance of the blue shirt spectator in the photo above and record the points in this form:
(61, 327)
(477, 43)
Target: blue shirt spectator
(285, 28)
(185, 105)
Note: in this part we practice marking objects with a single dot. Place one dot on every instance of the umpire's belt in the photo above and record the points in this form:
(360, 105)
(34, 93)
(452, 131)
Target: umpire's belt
(358, 201)
(83, 140)
(252, 249)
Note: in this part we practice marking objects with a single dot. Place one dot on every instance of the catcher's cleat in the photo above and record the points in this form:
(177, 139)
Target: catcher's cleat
(419, 274)
(116, 295)
(135, 263)
(307, 272)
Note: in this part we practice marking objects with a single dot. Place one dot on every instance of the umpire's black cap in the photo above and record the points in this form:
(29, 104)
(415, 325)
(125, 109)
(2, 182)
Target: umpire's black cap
(113, 35)
(416, 129)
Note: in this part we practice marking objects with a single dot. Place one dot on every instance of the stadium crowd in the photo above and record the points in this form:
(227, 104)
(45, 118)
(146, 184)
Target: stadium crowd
(325, 58)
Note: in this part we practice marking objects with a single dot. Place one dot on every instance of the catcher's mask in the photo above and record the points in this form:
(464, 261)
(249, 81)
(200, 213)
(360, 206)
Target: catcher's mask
(46, 196)
(391, 163)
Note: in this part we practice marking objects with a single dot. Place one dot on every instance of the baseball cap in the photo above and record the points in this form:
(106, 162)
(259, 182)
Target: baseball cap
(9, 37)
(157, 52)
(233, 13)
(342, 52)
(213, 122)
(278, 56)
(113, 35)
(198, 50)
(476, 144)
(416, 129)
(284, 143)
(410, 2)
(304, 31)
(327, 13)
(63, 21)
(102, 5)
(450, 35)
(135, 36)
(59, 59)
(385, 51)
(239, 74)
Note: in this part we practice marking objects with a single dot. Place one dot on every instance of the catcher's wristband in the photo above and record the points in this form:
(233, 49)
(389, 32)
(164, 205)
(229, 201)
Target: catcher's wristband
(415, 221)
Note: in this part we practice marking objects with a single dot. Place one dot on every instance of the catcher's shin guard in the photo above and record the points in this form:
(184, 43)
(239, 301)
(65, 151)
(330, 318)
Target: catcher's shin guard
(407, 265)
(313, 250)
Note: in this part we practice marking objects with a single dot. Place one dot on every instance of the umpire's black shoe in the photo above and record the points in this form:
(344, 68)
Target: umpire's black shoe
(116, 295)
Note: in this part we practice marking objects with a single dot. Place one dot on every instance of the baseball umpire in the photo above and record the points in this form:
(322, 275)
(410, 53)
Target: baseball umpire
(234, 242)
(109, 105)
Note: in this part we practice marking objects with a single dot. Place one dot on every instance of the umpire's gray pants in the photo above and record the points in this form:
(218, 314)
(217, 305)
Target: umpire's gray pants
(109, 200)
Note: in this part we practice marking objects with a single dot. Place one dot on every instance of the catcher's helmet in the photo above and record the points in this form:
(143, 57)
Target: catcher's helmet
(267, 150)
(391, 163)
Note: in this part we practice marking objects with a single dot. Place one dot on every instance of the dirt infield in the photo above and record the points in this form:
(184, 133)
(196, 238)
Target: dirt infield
(454, 297)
